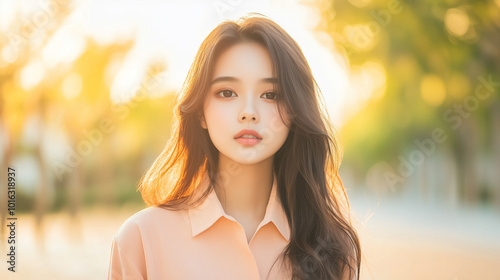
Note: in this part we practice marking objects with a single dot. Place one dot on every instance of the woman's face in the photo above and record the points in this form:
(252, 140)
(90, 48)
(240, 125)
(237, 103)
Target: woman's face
(242, 96)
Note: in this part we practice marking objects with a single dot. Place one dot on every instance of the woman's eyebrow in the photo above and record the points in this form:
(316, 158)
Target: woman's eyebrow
(236, 80)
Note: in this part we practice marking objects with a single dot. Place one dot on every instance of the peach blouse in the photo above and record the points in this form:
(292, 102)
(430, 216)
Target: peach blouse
(200, 243)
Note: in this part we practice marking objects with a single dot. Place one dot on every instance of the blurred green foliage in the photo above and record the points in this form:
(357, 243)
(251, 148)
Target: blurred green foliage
(436, 56)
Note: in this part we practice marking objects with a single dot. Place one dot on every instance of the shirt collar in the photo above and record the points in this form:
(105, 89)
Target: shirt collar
(210, 210)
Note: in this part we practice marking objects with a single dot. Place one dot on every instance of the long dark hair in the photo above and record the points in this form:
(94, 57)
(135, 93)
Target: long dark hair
(323, 243)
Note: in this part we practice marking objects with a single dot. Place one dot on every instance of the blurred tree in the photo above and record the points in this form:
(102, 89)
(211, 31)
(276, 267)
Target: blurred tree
(81, 101)
(72, 98)
(20, 52)
(442, 70)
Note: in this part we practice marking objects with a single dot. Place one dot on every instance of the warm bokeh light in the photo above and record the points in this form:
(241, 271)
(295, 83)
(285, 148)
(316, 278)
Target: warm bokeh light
(32, 74)
(72, 85)
(457, 22)
(376, 78)
(433, 90)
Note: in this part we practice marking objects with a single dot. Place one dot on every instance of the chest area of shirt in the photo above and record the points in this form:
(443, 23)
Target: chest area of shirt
(223, 252)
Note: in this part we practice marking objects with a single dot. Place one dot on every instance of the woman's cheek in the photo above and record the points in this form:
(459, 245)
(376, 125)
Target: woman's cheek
(219, 110)
(219, 114)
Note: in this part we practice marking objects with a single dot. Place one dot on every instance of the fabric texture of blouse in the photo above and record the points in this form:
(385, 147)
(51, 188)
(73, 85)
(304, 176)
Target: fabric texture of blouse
(200, 243)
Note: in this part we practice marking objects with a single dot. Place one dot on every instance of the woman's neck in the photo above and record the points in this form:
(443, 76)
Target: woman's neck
(244, 190)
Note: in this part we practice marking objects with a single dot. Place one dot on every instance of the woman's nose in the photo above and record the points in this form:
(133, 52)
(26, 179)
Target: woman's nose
(249, 112)
(248, 116)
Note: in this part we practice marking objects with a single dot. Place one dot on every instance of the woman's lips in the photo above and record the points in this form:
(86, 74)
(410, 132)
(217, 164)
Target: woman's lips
(248, 141)
(248, 132)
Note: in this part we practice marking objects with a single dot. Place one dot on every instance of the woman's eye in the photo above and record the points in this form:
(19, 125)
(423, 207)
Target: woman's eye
(270, 95)
(226, 93)
(229, 93)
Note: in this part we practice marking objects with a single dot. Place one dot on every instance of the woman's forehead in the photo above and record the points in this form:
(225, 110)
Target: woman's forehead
(244, 60)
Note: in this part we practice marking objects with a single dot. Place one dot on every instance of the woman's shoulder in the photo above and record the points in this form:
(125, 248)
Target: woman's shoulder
(150, 219)
(151, 213)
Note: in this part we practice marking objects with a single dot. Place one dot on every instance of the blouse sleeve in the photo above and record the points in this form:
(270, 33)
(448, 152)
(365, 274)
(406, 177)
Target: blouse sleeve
(127, 259)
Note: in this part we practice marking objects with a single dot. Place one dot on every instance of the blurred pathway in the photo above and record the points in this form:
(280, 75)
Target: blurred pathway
(408, 239)
(69, 253)
(401, 239)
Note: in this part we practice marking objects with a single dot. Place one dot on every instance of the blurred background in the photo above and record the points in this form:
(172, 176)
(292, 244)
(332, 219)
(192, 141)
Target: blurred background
(86, 91)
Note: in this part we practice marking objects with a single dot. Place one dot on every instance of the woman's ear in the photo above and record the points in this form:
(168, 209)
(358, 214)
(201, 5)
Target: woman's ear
(203, 123)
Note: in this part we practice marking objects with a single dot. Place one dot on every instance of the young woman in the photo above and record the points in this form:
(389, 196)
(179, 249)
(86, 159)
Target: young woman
(247, 186)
